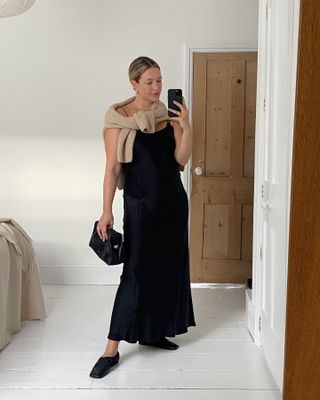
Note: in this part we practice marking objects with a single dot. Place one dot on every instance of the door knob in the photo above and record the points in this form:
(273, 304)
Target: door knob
(198, 171)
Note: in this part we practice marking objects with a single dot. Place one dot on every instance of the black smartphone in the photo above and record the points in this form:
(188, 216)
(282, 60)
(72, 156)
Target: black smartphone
(174, 94)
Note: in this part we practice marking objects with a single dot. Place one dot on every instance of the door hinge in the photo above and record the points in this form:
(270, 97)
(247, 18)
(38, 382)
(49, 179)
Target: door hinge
(262, 191)
(259, 327)
(261, 252)
(264, 104)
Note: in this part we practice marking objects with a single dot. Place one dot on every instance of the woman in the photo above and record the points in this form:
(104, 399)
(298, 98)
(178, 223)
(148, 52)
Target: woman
(145, 150)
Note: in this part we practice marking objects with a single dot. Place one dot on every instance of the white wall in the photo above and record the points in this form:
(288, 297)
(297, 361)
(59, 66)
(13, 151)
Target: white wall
(62, 63)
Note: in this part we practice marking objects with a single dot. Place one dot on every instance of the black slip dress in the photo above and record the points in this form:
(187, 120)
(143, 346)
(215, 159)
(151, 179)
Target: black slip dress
(153, 299)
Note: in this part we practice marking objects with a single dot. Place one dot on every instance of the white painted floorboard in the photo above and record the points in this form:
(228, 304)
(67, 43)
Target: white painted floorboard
(217, 359)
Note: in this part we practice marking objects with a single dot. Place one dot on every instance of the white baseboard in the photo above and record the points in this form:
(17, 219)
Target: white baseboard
(80, 275)
(218, 285)
(99, 275)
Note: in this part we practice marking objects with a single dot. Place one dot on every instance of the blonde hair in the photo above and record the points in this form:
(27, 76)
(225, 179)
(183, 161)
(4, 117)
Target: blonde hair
(139, 66)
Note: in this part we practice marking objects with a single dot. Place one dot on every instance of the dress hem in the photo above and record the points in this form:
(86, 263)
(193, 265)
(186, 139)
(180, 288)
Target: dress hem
(180, 332)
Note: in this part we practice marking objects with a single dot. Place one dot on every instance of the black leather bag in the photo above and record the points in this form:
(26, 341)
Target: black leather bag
(111, 251)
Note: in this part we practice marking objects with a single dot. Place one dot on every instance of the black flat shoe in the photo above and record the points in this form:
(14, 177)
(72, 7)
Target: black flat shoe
(103, 366)
(162, 343)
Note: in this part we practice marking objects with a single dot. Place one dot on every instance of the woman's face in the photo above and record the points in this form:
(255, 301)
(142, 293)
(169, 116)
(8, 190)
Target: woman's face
(150, 84)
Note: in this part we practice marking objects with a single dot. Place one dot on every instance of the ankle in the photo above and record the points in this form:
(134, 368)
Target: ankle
(110, 353)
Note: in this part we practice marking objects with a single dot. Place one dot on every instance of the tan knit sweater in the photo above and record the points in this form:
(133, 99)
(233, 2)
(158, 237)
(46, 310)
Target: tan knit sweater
(145, 121)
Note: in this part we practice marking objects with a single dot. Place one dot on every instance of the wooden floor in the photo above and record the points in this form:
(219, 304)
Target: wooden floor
(217, 360)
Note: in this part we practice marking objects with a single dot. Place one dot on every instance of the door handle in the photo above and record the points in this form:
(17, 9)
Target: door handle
(198, 171)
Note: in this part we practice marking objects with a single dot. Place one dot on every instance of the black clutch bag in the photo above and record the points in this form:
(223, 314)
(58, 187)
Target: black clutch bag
(111, 251)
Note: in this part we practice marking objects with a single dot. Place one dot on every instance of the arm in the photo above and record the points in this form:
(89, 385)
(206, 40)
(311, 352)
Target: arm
(182, 134)
(112, 171)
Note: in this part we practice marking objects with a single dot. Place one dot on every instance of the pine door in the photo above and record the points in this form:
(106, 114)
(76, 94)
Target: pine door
(224, 101)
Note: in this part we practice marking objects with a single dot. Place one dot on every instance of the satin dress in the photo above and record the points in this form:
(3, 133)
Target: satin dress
(153, 299)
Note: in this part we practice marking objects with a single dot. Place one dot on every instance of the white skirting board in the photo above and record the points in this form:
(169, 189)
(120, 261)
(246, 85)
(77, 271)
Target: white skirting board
(100, 275)
(80, 275)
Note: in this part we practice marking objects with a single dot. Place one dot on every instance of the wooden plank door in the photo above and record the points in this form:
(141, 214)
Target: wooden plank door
(224, 101)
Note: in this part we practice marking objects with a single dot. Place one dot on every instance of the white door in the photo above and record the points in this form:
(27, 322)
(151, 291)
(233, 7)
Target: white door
(278, 36)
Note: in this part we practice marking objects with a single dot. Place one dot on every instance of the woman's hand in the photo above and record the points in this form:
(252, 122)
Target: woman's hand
(182, 115)
(106, 221)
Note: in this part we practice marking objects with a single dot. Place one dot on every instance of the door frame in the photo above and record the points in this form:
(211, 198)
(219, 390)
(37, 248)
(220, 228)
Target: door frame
(302, 368)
